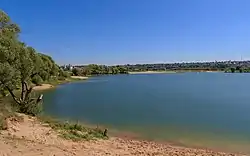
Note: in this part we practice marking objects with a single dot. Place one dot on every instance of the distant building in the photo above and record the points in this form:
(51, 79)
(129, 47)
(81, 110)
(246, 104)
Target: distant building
(67, 67)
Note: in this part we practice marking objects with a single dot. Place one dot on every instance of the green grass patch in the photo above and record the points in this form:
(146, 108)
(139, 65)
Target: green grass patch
(74, 131)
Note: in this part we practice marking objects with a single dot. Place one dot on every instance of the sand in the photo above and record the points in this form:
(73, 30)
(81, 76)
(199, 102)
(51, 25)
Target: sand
(79, 77)
(49, 86)
(30, 137)
(43, 87)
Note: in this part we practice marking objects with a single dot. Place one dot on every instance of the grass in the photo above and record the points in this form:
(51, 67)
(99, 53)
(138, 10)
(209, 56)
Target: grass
(74, 131)
(68, 130)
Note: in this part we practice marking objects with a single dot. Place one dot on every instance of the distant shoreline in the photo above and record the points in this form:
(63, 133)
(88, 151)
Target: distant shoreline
(151, 72)
(79, 77)
(47, 86)
(162, 72)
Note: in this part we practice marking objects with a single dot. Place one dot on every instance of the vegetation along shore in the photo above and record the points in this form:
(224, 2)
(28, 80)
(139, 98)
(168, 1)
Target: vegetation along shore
(25, 132)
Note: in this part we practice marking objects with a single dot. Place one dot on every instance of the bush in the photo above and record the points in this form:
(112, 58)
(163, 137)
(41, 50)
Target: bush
(37, 80)
(31, 108)
(61, 78)
(64, 74)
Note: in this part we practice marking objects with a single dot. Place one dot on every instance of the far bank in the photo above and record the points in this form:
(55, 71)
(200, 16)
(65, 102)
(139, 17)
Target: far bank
(53, 84)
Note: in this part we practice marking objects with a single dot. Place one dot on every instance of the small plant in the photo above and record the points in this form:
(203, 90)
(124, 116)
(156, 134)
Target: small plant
(75, 131)
(32, 108)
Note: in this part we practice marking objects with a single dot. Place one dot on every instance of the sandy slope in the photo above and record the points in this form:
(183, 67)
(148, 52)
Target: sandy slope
(29, 137)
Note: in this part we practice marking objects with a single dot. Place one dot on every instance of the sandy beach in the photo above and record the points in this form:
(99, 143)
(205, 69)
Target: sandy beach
(79, 77)
(49, 86)
(30, 137)
(43, 87)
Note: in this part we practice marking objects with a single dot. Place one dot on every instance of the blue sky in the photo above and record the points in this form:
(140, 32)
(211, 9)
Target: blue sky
(134, 31)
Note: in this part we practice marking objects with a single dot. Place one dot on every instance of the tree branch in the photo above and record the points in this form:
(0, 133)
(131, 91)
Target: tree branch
(34, 74)
(28, 90)
(22, 92)
(13, 95)
(26, 85)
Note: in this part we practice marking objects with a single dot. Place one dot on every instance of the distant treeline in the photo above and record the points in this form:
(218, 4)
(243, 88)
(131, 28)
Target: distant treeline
(226, 66)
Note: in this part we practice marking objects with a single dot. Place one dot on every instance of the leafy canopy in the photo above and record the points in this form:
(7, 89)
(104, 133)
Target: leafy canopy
(20, 65)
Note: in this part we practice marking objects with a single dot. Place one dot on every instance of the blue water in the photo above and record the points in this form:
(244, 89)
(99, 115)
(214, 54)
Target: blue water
(195, 109)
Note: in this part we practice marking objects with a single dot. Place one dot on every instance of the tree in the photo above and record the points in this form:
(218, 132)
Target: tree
(63, 74)
(240, 70)
(122, 70)
(76, 71)
(233, 70)
(19, 65)
(47, 67)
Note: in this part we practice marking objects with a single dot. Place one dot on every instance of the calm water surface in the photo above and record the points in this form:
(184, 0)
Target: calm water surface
(195, 109)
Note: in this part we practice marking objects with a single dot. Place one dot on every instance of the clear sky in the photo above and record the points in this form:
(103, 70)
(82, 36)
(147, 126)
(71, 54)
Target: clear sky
(134, 31)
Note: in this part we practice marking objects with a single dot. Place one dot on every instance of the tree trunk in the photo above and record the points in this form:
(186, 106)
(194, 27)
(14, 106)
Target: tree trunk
(23, 91)
(18, 101)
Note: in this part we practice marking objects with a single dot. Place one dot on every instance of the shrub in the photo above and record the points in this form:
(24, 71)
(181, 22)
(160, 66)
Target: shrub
(31, 109)
(37, 80)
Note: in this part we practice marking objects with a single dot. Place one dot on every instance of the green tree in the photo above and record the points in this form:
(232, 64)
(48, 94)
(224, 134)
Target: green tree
(19, 64)
(241, 70)
(232, 70)
(63, 74)
(76, 71)
(47, 68)
(123, 70)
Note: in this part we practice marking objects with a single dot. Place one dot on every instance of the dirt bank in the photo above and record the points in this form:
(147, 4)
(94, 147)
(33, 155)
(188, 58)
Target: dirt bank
(30, 137)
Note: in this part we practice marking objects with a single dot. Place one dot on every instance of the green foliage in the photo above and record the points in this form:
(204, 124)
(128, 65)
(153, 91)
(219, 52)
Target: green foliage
(94, 69)
(192, 66)
(76, 71)
(48, 68)
(232, 70)
(74, 131)
(64, 74)
(3, 92)
(238, 70)
(20, 66)
(30, 108)
(37, 80)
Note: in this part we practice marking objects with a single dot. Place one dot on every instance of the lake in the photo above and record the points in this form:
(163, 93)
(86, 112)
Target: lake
(210, 110)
